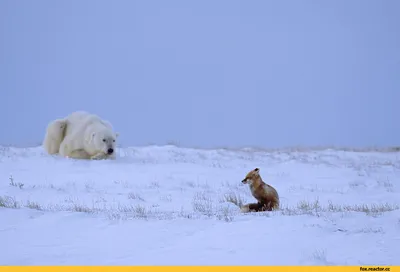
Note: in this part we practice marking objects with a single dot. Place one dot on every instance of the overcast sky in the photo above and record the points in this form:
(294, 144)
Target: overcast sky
(204, 73)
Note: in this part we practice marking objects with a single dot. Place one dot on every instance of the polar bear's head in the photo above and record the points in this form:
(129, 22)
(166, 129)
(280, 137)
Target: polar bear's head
(105, 141)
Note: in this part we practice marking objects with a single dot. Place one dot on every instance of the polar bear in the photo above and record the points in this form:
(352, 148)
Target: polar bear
(81, 135)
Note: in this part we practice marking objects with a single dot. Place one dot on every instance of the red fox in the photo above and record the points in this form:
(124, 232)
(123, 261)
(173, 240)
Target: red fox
(266, 195)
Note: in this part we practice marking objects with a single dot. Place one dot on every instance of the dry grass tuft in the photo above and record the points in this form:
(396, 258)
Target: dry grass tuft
(385, 183)
(315, 208)
(202, 203)
(9, 202)
(15, 184)
(225, 214)
(233, 198)
(33, 205)
(135, 196)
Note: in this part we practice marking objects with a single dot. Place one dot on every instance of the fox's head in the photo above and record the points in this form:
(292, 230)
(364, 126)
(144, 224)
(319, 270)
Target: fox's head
(252, 176)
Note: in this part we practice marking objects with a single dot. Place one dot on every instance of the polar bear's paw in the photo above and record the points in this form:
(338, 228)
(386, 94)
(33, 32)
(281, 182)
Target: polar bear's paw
(79, 154)
(99, 156)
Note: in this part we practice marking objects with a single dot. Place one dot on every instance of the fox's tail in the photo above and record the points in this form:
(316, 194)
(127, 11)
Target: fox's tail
(253, 207)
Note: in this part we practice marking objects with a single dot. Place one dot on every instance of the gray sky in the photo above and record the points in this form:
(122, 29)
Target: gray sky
(204, 73)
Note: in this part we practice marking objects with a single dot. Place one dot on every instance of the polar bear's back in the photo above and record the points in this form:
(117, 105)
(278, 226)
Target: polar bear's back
(81, 117)
(79, 120)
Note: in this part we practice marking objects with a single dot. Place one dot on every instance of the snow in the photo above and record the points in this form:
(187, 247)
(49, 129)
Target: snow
(166, 205)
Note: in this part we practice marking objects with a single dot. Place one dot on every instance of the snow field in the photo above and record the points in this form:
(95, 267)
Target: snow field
(165, 205)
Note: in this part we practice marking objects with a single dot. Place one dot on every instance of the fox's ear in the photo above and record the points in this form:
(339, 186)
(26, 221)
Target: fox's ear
(257, 170)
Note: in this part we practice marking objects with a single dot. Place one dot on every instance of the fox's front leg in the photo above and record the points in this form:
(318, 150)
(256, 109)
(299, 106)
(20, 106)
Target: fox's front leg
(264, 206)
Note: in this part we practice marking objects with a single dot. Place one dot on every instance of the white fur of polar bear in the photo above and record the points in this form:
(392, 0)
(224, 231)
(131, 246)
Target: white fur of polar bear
(81, 135)
(54, 136)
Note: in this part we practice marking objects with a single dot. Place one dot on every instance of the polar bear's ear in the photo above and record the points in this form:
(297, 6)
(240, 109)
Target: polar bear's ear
(116, 134)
